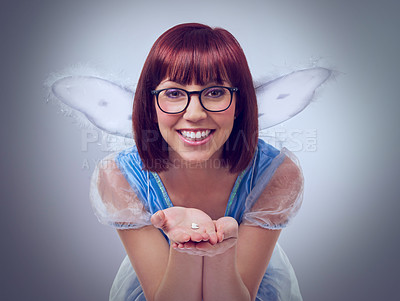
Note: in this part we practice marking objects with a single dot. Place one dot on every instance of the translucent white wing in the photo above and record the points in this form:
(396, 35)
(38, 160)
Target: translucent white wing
(105, 104)
(286, 96)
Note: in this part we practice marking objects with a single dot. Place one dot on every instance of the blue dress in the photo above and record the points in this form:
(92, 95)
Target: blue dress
(279, 281)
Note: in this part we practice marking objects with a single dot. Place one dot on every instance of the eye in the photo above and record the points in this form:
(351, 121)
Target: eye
(174, 93)
(214, 92)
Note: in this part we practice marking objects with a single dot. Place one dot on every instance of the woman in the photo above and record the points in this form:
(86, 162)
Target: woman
(200, 202)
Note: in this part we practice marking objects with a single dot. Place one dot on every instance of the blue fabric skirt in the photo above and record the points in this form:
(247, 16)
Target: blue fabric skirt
(278, 284)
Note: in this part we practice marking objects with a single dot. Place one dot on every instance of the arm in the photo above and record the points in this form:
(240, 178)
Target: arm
(237, 273)
(164, 273)
(235, 266)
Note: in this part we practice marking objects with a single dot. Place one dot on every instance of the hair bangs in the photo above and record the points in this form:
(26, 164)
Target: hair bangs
(199, 61)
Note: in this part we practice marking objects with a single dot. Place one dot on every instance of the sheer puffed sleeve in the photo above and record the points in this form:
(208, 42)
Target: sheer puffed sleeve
(277, 195)
(114, 201)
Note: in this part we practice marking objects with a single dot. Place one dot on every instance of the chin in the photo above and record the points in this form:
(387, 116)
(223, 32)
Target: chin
(197, 160)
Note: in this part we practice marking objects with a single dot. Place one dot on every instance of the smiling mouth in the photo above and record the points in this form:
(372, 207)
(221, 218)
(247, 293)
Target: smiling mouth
(195, 135)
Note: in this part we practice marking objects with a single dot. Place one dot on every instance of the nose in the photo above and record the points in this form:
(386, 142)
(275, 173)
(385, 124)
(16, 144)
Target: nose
(194, 111)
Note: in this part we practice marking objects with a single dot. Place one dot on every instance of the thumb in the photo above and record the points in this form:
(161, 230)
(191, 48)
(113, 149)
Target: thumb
(158, 219)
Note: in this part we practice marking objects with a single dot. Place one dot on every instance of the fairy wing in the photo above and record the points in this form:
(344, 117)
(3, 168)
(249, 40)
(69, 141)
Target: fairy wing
(284, 97)
(105, 104)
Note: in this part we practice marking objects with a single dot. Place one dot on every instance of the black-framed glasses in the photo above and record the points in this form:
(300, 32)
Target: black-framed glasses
(212, 99)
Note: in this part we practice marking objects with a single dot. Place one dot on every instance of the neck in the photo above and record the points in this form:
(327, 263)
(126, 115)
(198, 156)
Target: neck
(198, 171)
(204, 185)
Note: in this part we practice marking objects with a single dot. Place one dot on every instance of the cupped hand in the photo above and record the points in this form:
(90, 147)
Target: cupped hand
(176, 223)
(227, 233)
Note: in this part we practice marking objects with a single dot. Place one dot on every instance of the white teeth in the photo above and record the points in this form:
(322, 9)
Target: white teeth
(198, 135)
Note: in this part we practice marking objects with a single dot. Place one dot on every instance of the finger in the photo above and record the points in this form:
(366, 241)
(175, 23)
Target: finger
(190, 245)
(204, 246)
(220, 232)
(179, 236)
(217, 232)
(203, 236)
(206, 237)
(158, 219)
(180, 248)
(188, 248)
(195, 236)
(220, 248)
(229, 225)
(210, 233)
(213, 239)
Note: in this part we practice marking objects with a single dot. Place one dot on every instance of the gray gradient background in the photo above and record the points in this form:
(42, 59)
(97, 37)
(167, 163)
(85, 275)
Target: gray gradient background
(343, 244)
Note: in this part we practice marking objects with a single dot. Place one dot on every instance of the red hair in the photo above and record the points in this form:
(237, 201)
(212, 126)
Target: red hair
(197, 53)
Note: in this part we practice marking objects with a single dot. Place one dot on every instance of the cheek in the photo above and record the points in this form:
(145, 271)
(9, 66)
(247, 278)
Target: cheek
(165, 121)
(229, 116)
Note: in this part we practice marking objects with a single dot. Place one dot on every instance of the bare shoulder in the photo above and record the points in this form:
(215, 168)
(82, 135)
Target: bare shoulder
(113, 188)
(287, 174)
(285, 185)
